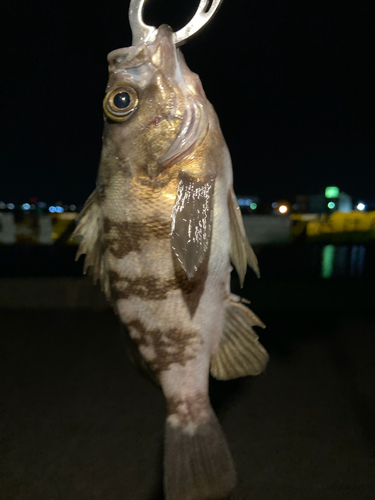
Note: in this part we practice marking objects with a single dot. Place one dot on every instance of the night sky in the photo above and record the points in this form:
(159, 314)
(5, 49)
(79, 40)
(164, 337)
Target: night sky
(292, 82)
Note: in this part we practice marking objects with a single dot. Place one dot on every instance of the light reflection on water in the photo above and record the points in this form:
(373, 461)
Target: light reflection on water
(342, 260)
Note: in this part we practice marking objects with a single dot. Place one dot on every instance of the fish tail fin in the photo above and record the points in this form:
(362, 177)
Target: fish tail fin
(198, 464)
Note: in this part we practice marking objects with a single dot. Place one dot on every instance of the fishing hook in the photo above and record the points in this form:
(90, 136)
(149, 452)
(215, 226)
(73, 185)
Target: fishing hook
(143, 32)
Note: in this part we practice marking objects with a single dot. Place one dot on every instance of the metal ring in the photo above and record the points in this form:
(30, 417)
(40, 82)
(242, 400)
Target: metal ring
(143, 32)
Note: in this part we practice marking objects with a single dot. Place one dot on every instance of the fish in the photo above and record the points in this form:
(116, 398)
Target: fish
(159, 232)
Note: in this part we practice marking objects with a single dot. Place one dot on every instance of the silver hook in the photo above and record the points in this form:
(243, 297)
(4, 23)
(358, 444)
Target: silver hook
(143, 32)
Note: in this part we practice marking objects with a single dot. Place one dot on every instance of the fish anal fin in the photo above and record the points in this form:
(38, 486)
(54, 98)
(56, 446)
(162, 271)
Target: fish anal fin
(192, 221)
(90, 228)
(239, 353)
(241, 253)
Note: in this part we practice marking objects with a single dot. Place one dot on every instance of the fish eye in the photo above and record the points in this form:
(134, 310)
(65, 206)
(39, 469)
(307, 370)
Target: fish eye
(120, 102)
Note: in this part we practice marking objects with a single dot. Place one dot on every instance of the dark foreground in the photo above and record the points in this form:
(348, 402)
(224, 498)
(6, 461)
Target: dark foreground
(79, 423)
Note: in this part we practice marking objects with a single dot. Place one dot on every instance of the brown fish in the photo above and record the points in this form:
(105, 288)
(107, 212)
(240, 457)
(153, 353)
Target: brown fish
(160, 230)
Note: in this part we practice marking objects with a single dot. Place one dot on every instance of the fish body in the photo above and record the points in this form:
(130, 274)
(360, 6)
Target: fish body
(160, 230)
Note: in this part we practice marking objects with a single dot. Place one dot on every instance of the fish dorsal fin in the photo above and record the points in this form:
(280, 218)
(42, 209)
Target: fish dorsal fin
(239, 353)
(90, 227)
(241, 252)
(192, 221)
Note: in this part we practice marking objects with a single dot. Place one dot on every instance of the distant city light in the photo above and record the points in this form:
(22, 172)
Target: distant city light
(2, 205)
(295, 206)
(73, 208)
(328, 258)
(59, 210)
(283, 209)
(243, 202)
(275, 204)
(331, 205)
(361, 206)
(41, 204)
(332, 192)
(11, 206)
(253, 206)
(32, 206)
(26, 206)
(52, 209)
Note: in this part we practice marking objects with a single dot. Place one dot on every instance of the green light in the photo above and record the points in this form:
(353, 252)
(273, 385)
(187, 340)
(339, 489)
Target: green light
(332, 192)
(331, 204)
(328, 258)
(253, 206)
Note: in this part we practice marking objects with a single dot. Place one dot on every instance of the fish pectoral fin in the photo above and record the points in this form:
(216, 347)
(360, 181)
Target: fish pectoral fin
(239, 353)
(90, 228)
(241, 252)
(192, 221)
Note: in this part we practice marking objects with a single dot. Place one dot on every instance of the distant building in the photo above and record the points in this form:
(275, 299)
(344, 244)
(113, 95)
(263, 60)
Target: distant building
(345, 203)
(317, 204)
(330, 201)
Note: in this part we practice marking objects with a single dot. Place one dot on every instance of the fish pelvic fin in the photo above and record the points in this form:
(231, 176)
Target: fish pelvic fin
(241, 253)
(90, 228)
(239, 353)
(198, 464)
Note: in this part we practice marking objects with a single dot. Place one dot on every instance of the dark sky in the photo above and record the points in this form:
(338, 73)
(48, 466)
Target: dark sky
(292, 82)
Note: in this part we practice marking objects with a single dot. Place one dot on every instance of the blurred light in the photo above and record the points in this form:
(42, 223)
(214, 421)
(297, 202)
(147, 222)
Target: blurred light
(283, 209)
(33, 199)
(295, 206)
(244, 202)
(11, 206)
(59, 210)
(73, 208)
(2, 205)
(332, 192)
(328, 258)
(275, 204)
(26, 206)
(253, 206)
(33, 207)
(52, 209)
(41, 204)
(361, 206)
(331, 205)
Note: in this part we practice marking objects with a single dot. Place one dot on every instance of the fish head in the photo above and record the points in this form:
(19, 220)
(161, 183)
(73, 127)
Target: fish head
(154, 106)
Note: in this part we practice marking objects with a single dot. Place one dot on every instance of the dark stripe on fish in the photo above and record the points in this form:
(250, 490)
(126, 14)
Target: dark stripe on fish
(125, 237)
(152, 288)
(190, 409)
(169, 345)
(145, 287)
